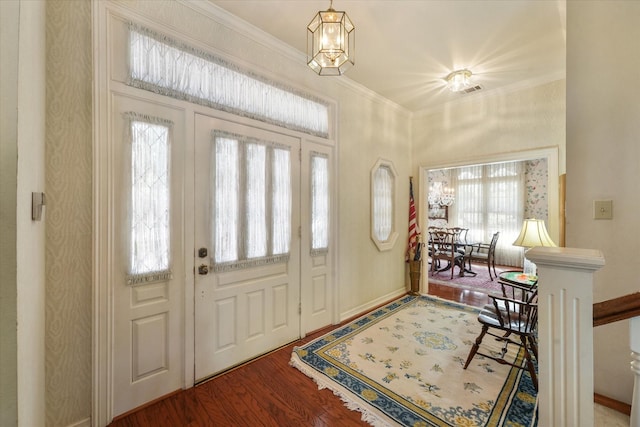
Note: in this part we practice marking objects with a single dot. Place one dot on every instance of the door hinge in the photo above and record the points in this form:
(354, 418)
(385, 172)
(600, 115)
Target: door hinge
(300, 154)
(300, 231)
(299, 308)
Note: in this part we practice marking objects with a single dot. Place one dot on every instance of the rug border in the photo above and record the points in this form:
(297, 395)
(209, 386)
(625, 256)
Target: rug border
(370, 413)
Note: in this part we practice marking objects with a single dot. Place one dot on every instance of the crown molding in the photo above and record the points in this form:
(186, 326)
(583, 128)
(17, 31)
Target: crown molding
(270, 42)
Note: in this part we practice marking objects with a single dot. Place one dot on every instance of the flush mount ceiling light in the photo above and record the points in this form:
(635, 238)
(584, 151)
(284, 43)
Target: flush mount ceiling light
(458, 80)
(330, 42)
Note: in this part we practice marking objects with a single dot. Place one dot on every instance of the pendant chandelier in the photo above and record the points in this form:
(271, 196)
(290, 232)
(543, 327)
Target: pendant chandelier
(330, 42)
(439, 195)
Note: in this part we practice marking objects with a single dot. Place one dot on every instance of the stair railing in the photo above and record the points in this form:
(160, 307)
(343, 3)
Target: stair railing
(622, 308)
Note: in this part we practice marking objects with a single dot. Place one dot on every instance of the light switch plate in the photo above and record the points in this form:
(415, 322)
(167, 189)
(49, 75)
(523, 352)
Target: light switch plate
(603, 209)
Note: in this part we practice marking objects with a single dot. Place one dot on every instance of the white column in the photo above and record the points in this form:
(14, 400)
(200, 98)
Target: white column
(565, 334)
(634, 340)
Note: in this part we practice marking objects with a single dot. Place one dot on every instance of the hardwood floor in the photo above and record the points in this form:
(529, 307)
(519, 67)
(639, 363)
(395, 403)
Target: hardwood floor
(264, 392)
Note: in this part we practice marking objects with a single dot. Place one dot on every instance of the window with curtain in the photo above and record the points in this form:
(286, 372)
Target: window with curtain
(319, 203)
(251, 201)
(491, 198)
(149, 198)
(383, 203)
(383, 183)
(162, 65)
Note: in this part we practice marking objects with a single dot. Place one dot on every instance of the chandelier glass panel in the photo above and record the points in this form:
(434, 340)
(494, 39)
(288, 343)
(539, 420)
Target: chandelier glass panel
(440, 195)
(330, 42)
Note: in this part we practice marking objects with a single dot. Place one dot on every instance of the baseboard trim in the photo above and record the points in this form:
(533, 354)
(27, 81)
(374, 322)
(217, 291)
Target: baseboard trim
(82, 423)
(371, 305)
(144, 405)
(610, 403)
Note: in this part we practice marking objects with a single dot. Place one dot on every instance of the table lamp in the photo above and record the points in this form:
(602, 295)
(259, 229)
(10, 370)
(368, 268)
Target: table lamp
(533, 233)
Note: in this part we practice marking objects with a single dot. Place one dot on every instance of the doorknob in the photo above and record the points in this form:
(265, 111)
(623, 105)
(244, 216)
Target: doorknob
(203, 269)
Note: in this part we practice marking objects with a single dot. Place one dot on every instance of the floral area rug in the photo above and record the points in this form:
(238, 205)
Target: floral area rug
(402, 365)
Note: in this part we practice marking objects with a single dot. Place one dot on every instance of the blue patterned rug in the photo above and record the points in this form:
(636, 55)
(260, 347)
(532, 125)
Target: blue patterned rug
(402, 365)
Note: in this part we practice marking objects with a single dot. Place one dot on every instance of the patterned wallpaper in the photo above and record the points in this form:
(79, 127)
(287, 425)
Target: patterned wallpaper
(536, 204)
(69, 209)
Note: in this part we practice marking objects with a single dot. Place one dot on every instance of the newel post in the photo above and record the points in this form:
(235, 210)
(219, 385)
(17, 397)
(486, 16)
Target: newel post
(565, 334)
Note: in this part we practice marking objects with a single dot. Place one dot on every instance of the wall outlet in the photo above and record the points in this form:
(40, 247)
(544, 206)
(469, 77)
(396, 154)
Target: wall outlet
(603, 209)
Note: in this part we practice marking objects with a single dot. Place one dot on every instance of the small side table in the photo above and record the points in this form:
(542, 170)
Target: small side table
(518, 278)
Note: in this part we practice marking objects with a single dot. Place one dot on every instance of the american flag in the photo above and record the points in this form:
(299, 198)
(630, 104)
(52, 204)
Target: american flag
(414, 230)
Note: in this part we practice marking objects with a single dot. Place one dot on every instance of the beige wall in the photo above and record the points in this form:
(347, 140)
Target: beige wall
(603, 163)
(497, 126)
(9, 31)
(494, 123)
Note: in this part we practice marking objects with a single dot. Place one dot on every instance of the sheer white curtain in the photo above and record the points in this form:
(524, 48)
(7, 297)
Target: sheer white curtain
(281, 207)
(149, 198)
(251, 202)
(491, 198)
(226, 206)
(256, 227)
(172, 68)
(319, 203)
(382, 203)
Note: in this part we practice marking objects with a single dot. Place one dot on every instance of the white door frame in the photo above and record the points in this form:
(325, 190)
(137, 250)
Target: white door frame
(553, 185)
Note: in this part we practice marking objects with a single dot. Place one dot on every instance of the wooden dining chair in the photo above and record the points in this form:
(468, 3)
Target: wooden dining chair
(485, 253)
(512, 319)
(460, 238)
(442, 247)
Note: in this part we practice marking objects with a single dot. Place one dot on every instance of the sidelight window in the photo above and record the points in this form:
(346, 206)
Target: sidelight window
(149, 213)
(319, 203)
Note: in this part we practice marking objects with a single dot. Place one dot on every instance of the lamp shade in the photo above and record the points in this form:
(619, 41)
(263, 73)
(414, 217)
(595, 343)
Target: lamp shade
(533, 233)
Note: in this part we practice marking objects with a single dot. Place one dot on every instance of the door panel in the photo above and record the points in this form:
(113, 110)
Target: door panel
(248, 308)
(148, 356)
(316, 264)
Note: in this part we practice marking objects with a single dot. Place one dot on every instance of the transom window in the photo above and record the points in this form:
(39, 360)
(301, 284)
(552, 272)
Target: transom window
(173, 68)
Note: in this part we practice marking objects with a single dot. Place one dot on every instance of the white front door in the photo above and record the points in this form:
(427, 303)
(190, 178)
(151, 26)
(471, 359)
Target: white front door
(247, 257)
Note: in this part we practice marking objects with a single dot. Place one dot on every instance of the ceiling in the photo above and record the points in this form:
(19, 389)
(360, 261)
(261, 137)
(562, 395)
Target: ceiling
(404, 48)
